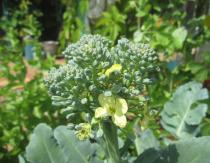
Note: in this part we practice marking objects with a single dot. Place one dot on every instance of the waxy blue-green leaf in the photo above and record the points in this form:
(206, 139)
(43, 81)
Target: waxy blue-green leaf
(21, 159)
(182, 115)
(145, 140)
(43, 147)
(193, 150)
(75, 149)
(59, 146)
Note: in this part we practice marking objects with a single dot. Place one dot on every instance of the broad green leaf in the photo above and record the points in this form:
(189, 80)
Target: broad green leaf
(205, 130)
(200, 70)
(162, 39)
(202, 75)
(21, 159)
(193, 150)
(75, 150)
(194, 67)
(179, 35)
(43, 147)
(59, 146)
(145, 140)
(182, 115)
(143, 11)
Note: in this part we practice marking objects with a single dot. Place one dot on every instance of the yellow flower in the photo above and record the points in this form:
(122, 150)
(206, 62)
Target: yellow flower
(84, 131)
(113, 68)
(114, 107)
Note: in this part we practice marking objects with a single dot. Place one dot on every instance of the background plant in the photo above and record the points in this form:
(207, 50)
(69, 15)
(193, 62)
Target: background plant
(121, 141)
(23, 103)
(183, 56)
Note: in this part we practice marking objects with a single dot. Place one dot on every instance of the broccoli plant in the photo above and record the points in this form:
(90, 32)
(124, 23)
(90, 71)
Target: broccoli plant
(102, 90)
(100, 80)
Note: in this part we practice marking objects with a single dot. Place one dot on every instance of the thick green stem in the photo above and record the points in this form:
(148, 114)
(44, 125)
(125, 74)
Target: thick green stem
(111, 142)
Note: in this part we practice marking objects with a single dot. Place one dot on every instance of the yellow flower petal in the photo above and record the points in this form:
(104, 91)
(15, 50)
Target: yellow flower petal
(120, 121)
(106, 101)
(121, 106)
(100, 112)
(114, 107)
(113, 68)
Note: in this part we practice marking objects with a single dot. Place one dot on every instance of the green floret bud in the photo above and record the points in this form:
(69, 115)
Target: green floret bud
(90, 50)
(97, 67)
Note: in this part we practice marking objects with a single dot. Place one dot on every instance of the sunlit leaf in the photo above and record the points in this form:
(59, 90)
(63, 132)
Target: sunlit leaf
(179, 35)
(182, 115)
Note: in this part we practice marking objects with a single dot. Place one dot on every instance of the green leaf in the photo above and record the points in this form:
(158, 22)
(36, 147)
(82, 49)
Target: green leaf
(76, 150)
(162, 39)
(182, 115)
(145, 140)
(206, 57)
(205, 130)
(21, 159)
(43, 147)
(179, 35)
(194, 67)
(202, 75)
(59, 146)
(194, 150)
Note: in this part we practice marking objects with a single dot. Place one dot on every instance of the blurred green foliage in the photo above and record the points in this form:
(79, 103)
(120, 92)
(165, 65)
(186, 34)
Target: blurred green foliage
(22, 104)
(177, 30)
(73, 21)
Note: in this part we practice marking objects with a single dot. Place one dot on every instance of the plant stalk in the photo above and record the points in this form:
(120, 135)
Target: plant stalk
(111, 142)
